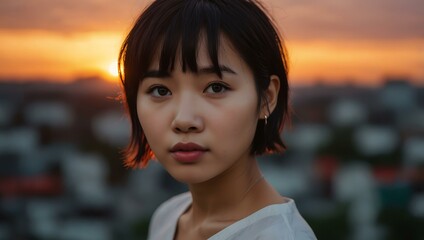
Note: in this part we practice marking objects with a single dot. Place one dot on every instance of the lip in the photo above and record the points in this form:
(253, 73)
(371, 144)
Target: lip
(187, 152)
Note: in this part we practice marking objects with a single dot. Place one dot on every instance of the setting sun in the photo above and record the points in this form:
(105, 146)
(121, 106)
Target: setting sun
(113, 69)
(321, 49)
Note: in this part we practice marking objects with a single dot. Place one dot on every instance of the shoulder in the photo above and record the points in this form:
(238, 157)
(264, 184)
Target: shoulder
(274, 222)
(287, 224)
(282, 222)
(281, 232)
(165, 217)
(300, 227)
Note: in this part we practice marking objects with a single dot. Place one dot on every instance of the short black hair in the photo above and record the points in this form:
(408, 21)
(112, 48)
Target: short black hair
(168, 25)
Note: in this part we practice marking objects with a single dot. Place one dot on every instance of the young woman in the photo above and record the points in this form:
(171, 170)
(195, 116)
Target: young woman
(205, 85)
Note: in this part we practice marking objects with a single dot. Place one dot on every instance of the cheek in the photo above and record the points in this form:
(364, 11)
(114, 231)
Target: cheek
(236, 123)
(152, 124)
(244, 122)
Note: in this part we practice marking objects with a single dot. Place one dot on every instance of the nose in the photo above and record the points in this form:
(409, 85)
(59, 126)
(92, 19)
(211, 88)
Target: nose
(187, 117)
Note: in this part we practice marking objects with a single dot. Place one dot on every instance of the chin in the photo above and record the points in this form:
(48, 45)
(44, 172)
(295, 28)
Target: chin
(190, 178)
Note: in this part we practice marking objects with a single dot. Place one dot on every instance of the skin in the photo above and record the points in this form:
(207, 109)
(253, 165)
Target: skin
(219, 114)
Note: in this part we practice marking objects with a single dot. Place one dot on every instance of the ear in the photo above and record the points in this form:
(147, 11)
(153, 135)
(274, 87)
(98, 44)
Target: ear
(271, 95)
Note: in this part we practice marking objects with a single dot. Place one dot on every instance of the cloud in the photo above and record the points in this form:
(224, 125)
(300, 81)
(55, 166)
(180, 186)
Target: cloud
(68, 15)
(350, 19)
(300, 19)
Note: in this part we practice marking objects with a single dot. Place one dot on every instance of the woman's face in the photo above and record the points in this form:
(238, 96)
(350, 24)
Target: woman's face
(198, 125)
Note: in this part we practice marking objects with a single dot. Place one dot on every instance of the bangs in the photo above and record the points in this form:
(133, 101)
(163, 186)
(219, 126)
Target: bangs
(180, 34)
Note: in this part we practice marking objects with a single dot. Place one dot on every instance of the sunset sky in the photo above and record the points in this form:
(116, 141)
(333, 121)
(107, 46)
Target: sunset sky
(334, 41)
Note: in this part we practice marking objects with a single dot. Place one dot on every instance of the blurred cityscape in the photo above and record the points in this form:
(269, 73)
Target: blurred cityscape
(354, 164)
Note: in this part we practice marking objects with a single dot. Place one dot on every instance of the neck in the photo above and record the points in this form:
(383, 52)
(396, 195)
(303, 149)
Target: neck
(220, 197)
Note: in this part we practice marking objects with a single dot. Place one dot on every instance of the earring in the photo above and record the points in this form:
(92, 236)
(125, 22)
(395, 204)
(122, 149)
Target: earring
(266, 120)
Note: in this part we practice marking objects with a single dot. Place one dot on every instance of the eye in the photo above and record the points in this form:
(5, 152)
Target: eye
(215, 88)
(159, 91)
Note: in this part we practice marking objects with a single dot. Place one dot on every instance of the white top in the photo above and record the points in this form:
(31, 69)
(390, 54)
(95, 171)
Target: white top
(274, 222)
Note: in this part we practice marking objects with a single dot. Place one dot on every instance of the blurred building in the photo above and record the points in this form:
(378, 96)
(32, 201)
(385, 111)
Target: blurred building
(354, 164)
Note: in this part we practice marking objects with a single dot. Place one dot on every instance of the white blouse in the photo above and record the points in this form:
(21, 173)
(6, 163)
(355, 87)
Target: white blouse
(273, 222)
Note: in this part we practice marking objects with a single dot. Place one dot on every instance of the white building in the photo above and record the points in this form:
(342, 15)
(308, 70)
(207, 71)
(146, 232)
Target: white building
(85, 178)
(112, 127)
(20, 141)
(307, 137)
(375, 140)
(355, 184)
(398, 95)
(345, 113)
(7, 112)
(413, 152)
(53, 114)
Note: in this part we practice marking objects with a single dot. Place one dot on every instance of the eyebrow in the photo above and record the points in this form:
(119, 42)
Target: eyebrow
(211, 69)
(205, 70)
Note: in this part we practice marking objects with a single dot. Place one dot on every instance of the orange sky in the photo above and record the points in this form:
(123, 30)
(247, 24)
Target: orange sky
(328, 41)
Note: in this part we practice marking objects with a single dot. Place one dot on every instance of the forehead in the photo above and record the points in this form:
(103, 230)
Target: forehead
(204, 54)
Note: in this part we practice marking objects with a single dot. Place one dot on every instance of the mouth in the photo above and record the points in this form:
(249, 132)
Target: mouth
(187, 152)
(187, 147)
